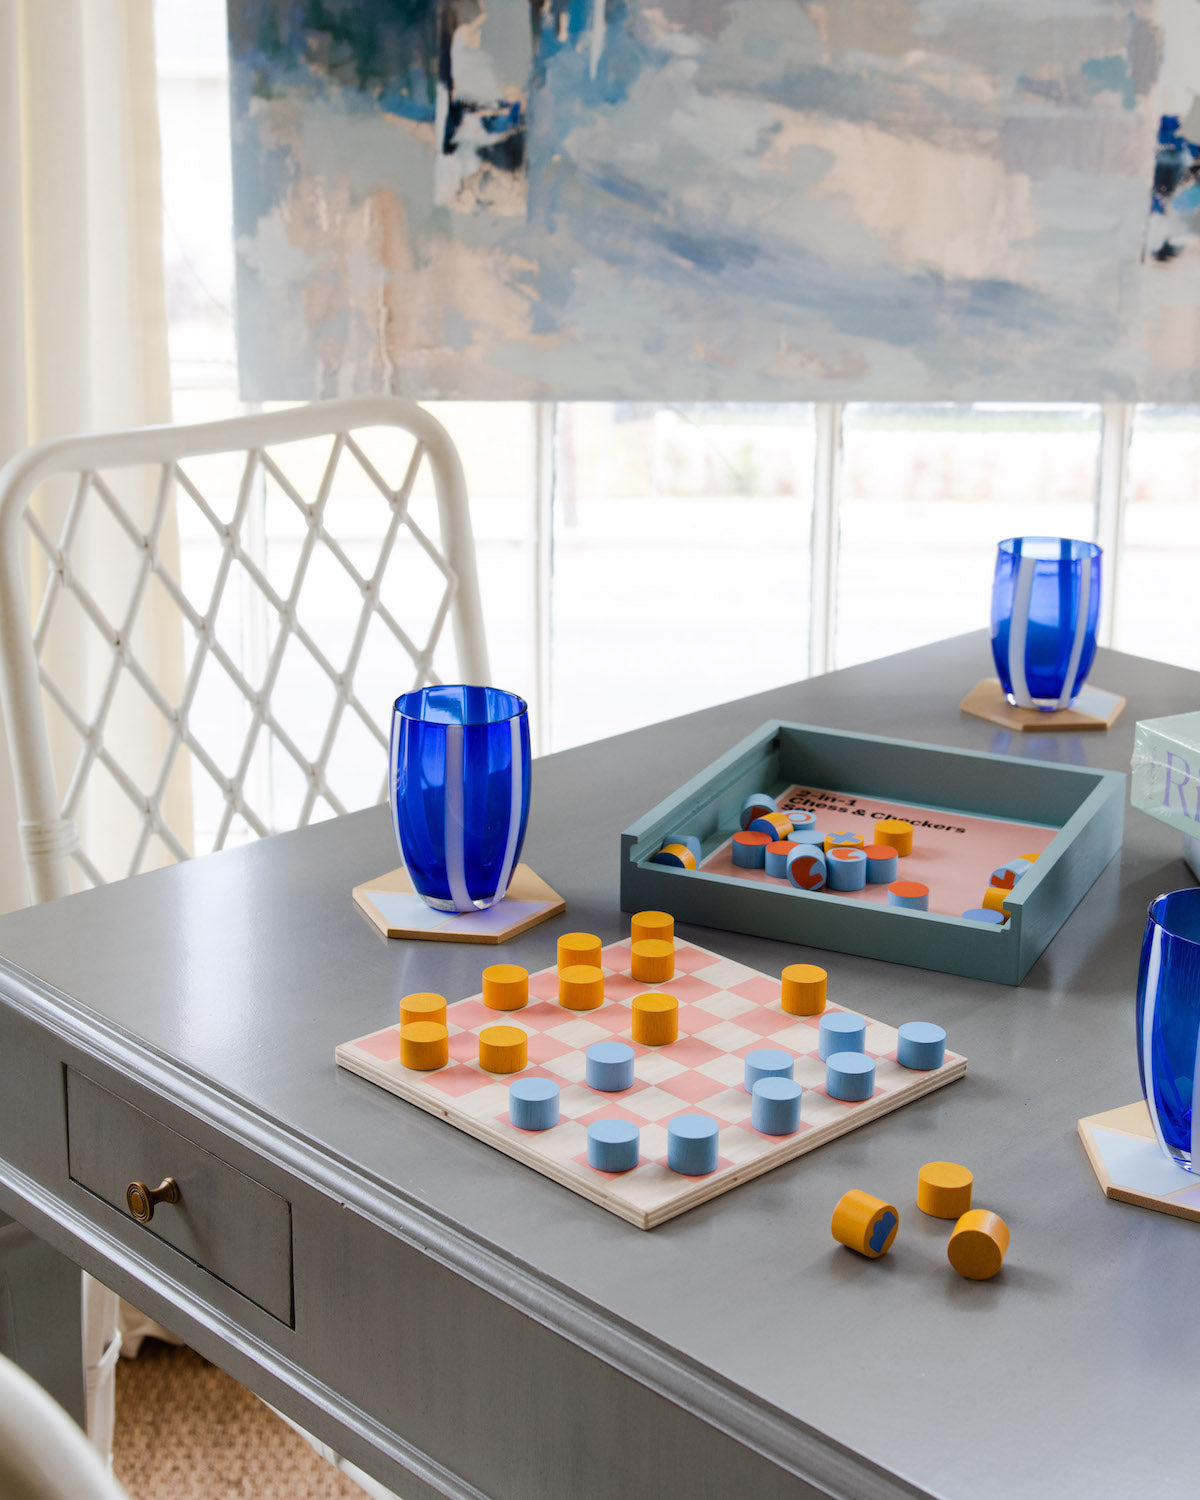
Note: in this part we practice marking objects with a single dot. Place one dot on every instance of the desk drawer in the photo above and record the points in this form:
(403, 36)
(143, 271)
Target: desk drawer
(230, 1225)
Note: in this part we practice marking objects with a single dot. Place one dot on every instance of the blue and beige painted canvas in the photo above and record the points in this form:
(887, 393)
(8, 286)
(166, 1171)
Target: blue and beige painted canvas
(704, 199)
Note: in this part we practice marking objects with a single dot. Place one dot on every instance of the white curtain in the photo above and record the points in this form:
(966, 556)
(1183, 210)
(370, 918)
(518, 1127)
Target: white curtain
(83, 335)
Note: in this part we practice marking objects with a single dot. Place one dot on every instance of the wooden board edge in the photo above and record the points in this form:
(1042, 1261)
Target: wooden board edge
(374, 1072)
(362, 899)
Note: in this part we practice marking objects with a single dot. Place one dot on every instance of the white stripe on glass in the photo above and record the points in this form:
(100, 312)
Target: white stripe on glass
(1018, 630)
(1081, 621)
(455, 824)
(1149, 1004)
(514, 809)
(393, 772)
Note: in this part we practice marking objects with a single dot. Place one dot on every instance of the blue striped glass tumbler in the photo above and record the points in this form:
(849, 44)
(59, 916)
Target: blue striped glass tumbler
(1168, 1022)
(459, 790)
(1045, 606)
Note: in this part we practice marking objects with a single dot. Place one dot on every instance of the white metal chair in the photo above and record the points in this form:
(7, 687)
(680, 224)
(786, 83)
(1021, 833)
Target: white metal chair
(43, 1455)
(220, 655)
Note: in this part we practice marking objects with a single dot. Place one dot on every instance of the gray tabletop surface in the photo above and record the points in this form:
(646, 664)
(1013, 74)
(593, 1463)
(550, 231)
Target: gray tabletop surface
(1073, 1373)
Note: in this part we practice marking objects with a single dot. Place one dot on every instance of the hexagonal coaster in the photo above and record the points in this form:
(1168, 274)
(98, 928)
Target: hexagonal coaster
(397, 911)
(1092, 709)
(1131, 1167)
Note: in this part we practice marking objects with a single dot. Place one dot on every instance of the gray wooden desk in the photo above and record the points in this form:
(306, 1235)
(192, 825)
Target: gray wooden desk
(459, 1325)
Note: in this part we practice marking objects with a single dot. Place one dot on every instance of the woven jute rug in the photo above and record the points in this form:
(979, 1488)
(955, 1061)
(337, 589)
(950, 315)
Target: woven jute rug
(186, 1431)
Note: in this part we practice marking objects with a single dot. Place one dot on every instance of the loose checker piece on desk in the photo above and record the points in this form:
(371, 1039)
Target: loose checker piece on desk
(702, 1115)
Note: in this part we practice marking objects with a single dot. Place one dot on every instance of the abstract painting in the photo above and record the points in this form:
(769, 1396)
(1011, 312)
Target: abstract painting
(710, 200)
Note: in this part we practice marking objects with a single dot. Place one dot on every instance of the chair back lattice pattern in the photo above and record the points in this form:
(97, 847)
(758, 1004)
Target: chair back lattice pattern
(203, 628)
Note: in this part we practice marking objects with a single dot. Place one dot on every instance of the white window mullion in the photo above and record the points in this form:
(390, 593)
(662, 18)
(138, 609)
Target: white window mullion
(827, 466)
(545, 469)
(1111, 499)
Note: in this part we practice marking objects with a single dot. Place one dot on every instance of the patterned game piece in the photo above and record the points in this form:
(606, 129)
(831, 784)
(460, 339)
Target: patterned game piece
(849, 1076)
(978, 1244)
(777, 855)
(775, 1106)
(883, 864)
(843, 839)
(840, 1031)
(689, 841)
(503, 1049)
(1007, 875)
(424, 1045)
(609, 1067)
(578, 948)
(982, 914)
(920, 1045)
(653, 961)
(581, 987)
(533, 1103)
(864, 1223)
(897, 833)
(808, 870)
(776, 825)
(909, 893)
(749, 849)
(944, 1189)
(804, 989)
(846, 868)
(423, 1006)
(754, 806)
(766, 1062)
(655, 1019)
(692, 1145)
(652, 924)
(505, 987)
(677, 855)
(801, 819)
(612, 1145)
(723, 1010)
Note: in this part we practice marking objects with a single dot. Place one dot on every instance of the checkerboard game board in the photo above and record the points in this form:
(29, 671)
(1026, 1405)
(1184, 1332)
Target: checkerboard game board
(725, 1011)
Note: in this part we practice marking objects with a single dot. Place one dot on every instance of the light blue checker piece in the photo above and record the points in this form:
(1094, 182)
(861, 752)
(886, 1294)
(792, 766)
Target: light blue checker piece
(841, 1031)
(608, 1066)
(846, 871)
(692, 1145)
(921, 1045)
(984, 914)
(849, 1076)
(882, 869)
(533, 1103)
(755, 804)
(776, 864)
(767, 1062)
(613, 1145)
(809, 834)
(775, 1106)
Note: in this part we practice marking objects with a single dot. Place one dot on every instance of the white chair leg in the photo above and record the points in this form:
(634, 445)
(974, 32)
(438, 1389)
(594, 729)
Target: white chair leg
(101, 1346)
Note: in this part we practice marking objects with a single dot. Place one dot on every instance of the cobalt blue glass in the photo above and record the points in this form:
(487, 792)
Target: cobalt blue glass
(459, 790)
(1045, 606)
(1168, 1021)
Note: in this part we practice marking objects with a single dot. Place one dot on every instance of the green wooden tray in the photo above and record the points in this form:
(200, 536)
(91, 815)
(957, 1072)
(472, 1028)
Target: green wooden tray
(1086, 807)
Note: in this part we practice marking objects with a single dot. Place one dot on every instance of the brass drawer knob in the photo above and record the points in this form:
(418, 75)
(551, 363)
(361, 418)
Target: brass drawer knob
(142, 1199)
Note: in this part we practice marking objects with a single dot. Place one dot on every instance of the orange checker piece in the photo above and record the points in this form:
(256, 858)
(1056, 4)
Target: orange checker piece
(978, 1244)
(653, 961)
(423, 1006)
(424, 1045)
(505, 986)
(578, 948)
(993, 900)
(896, 832)
(655, 1019)
(503, 1049)
(944, 1189)
(581, 987)
(804, 989)
(652, 924)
